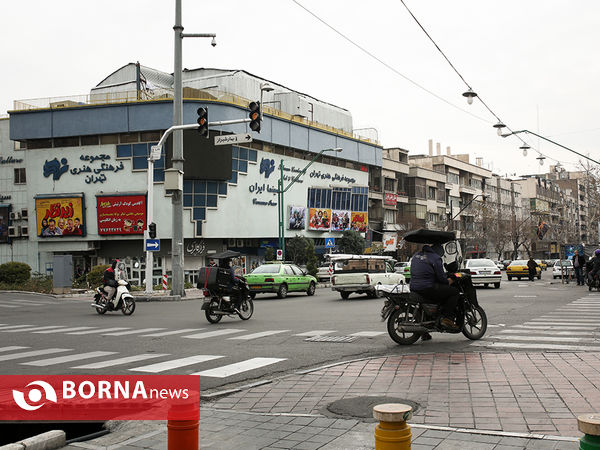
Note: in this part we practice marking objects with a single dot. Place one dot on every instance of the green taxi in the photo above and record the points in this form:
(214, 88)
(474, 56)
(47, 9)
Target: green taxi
(280, 278)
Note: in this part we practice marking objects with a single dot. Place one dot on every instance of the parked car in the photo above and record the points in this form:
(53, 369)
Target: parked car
(484, 271)
(567, 270)
(323, 272)
(518, 269)
(404, 269)
(499, 265)
(542, 264)
(280, 278)
(506, 263)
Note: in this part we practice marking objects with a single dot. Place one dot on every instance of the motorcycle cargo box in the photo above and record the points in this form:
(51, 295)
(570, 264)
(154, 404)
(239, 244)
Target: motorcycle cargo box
(213, 278)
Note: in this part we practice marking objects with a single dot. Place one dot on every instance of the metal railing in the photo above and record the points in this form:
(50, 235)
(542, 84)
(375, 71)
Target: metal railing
(212, 95)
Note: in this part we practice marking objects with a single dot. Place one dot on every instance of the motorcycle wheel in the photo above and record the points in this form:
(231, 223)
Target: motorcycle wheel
(210, 316)
(401, 338)
(246, 309)
(102, 301)
(475, 324)
(128, 306)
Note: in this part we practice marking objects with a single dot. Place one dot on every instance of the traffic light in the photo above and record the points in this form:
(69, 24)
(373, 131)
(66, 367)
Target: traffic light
(254, 116)
(152, 230)
(203, 122)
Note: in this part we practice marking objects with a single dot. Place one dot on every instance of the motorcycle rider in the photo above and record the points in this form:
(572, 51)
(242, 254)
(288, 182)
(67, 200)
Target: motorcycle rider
(226, 264)
(110, 282)
(427, 278)
(594, 265)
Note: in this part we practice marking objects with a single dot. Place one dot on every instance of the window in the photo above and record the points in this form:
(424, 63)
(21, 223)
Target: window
(431, 193)
(452, 178)
(388, 184)
(90, 140)
(341, 198)
(402, 179)
(389, 215)
(432, 217)
(417, 188)
(20, 177)
(66, 142)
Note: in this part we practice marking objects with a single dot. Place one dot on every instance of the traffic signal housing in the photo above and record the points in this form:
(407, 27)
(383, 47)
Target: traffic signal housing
(152, 230)
(255, 116)
(203, 122)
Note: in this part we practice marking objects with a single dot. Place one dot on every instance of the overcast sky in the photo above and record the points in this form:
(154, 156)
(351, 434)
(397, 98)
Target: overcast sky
(535, 63)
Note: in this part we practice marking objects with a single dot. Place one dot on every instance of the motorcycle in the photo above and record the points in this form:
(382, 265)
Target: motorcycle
(409, 315)
(221, 296)
(595, 283)
(125, 301)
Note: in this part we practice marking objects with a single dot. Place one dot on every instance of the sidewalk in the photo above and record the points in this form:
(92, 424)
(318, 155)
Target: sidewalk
(476, 400)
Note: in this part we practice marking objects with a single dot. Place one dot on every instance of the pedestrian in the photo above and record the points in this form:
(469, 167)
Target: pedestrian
(578, 264)
(532, 265)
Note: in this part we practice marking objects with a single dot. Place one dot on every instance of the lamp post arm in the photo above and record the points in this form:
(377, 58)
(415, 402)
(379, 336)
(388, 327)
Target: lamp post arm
(553, 142)
(303, 171)
(465, 207)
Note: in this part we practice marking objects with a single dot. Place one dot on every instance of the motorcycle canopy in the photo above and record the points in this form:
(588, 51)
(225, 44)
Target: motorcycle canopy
(228, 254)
(424, 236)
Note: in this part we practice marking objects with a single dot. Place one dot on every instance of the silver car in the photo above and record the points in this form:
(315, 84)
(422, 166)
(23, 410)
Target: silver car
(484, 271)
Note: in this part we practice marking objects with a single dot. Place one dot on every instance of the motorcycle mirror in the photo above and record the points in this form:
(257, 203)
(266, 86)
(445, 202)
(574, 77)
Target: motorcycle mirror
(136, 265)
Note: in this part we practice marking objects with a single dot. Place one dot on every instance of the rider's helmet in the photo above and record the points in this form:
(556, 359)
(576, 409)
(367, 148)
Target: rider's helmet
(114, 264)
(597, 252)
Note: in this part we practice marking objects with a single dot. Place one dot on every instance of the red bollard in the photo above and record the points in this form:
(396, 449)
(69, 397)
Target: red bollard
(183, 434)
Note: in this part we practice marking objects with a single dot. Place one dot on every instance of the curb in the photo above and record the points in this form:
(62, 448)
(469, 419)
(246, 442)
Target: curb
(46, 441)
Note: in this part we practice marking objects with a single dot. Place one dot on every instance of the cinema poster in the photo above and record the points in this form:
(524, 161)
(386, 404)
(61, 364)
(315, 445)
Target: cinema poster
(340, 220)
(359, 221)
(319, 219)
(297, 218)
(60, 216)
(121, 214)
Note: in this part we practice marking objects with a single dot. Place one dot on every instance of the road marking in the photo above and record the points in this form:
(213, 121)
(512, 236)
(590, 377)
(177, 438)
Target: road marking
(572, 321)
(546, 339)
(48, 351)
(11, 348)
(565, 323)
(3, 305)
(121, 361)
(102, 330)
(124, 333)
(69, 358)
(557, 327)
(175, 363)
(576, 348)
(368, 333)
(316, 333)
(64, 330)
(551, 332)
(233, 369)
(525, 296)
(209, 334)
(20, 304)
(247, 337)
(169, 333)
(54, 327)
(9, 327)
(496, 326)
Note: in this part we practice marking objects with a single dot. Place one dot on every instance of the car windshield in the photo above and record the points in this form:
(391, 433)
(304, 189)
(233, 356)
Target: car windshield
(268, 268)
(520, 262)
(480, 263)
(563, 263)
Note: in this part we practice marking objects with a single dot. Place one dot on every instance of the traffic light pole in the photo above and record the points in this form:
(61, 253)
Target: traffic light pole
(149, 219)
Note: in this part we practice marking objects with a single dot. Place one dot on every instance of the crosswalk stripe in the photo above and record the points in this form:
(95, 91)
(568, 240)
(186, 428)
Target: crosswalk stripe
(15, 326)
(69, 358)
(124, 333)
(121, 361)
(101, 330)
(316, 333)
(64, 330)
(169, 333)
(556, 327)
(576, 348)
(36, 302)
(175, 363)
(368, 333)
(566, 323)
(3, 305)
(22, 304)
(545, 339)
(544, 319)
(243, 366)
(549, 332)
(209, 334)
(574, 314)
(11, 348)
(248, 337)
(47, 351)
(18, 330)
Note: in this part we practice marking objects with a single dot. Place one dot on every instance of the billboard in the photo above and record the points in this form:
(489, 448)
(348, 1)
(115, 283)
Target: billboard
(359, 221)
(121, 214)
(4, 216)
(60, 216)
(297, 218)
(340, 220)
(390, 242)
(319, 219)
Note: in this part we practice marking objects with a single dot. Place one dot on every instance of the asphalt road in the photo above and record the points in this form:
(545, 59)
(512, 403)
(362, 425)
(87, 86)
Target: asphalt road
(169, 338)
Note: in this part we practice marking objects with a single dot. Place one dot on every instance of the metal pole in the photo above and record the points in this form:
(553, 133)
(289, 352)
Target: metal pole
(149, 219)
(281, 213)
(177, 198)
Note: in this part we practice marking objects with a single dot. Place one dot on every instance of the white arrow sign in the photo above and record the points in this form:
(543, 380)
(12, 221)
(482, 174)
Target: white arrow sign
(233, 139)
(153, 244)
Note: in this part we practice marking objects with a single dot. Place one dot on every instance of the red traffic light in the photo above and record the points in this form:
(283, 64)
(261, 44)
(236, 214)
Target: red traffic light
(254, 116)
(202, 121)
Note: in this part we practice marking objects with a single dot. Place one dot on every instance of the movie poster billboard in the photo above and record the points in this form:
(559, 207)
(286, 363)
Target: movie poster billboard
(60, 216)
(121, 214)
(319, 219)
(4, 216)
(340, 220)
(297, 218)
(390, 241)
(359, 221)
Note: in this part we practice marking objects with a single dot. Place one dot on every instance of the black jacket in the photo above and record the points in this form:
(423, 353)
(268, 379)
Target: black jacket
(581, 260)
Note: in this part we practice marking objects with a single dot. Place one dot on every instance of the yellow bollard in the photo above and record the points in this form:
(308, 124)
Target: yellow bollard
(392, 432)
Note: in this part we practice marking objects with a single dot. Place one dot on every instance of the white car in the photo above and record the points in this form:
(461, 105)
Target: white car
(484, 271)
(566, 270)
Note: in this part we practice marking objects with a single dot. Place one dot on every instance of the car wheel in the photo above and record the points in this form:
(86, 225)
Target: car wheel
(311, 289)
(497, 285)
(518, 278)
(485, 285)
(539, 277)
(509, 278)
(283, 291)
(345, 294)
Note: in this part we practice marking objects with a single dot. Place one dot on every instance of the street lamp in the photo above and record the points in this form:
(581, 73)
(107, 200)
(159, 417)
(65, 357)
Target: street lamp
(281, 191)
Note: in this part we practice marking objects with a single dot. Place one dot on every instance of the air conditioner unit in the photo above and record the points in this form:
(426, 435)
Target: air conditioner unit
(24, 230)
(13, 232)
(15, 216)
(240, 242)
(231, 242)
(24, 213)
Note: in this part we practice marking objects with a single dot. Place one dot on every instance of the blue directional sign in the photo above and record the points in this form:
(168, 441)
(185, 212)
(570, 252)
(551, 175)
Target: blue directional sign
(329, 242)
(152, 245)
